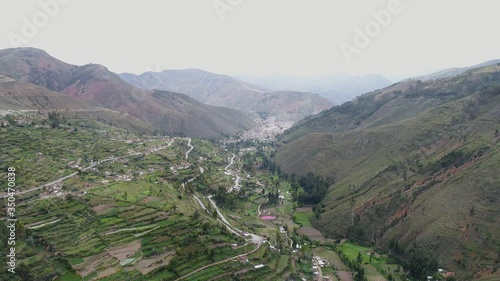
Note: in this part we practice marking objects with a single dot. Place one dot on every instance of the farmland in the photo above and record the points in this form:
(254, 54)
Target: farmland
(126, 208)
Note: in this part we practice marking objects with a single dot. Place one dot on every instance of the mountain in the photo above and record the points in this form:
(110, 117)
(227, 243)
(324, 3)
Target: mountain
(37, 67)
(415, 168)
(97, 85)
(338, 88)
(20, 97)
(15, 95)
(447, 73)
(223, 90)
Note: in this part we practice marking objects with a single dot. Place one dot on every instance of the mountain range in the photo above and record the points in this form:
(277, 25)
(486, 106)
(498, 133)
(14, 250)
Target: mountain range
(337, 88)
(226, 91)
(415, 167)
(168, 113)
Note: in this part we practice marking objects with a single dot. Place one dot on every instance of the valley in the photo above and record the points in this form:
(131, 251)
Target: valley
(157, 208)
(191, 175)
(414, 170)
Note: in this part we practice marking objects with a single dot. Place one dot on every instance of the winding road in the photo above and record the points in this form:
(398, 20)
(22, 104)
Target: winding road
(255, 238)
(190, 148)
(232, 173)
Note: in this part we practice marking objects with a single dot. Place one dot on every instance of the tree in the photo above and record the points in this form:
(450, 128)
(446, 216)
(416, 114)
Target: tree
(359, 258)
(196, 214)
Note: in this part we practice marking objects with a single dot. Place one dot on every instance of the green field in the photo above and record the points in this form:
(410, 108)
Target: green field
(302, 219)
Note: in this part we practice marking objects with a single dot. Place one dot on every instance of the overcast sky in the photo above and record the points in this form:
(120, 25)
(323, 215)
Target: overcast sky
(298, 37)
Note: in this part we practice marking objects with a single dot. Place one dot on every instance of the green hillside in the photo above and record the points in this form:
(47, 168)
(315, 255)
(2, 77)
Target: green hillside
(416, 169)
(128, 216)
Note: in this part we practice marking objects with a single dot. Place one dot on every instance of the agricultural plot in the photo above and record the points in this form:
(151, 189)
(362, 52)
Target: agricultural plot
(377, 267)
(302, 219)
(332, 257)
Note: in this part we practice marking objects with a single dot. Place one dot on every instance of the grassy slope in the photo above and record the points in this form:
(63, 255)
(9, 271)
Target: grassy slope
(379, 147)
(156, 214)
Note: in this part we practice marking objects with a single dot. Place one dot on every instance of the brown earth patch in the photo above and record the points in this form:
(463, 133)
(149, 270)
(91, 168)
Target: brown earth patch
(92, 263)
(124, 251)
(313, 233)
(149, 199)
(161, 217)
(345, 275)
(107, 272)
(147, 265)
(100, 208)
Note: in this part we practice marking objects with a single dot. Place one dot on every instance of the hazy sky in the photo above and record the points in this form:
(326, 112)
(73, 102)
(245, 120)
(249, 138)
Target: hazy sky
(300, 37)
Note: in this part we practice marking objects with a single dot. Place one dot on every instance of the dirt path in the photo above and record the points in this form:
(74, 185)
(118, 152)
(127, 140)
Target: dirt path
(233, 174)
(190, 148)
(200, 202)
(42, 225)
(258, 208)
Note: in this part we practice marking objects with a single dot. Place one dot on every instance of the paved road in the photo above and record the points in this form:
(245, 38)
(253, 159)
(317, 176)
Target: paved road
(254, 237)
(200, 202)
(163, 147)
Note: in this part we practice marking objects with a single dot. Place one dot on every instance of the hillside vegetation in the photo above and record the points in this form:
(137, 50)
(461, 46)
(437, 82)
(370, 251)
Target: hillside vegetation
(416, 169)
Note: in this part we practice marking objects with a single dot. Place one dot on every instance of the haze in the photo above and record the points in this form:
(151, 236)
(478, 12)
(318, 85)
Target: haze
(260, 36)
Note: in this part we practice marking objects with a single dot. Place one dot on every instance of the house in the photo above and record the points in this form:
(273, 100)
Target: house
(282, 230)
(259, 266)
(243, 259)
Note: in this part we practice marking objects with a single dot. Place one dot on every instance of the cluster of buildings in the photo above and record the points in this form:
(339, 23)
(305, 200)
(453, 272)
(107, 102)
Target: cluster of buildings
(318, 263)
(55, 189)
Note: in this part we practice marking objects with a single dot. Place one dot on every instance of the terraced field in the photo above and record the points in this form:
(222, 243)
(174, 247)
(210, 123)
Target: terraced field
(128, 213)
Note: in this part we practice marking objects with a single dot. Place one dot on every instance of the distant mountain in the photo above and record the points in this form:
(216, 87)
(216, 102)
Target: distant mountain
(415, 168)
(447, 73)
(97, 85)
(338, 88)
(222, 90)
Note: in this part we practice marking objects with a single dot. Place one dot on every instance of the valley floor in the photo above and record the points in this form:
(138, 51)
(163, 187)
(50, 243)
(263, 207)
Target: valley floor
(163, 208)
